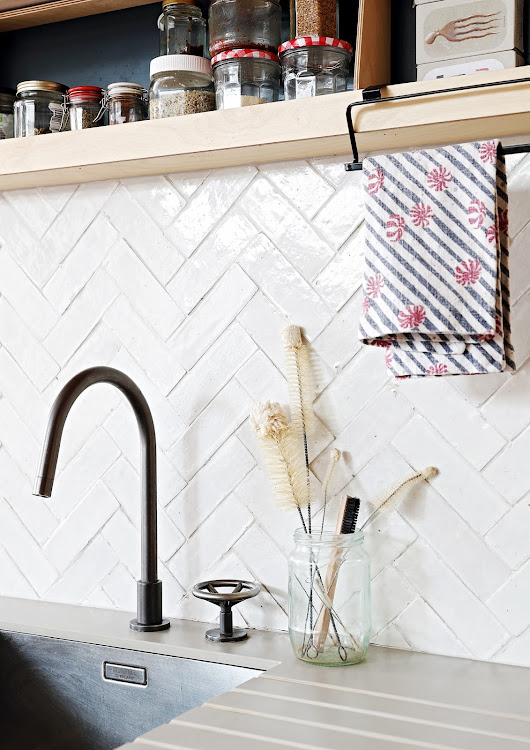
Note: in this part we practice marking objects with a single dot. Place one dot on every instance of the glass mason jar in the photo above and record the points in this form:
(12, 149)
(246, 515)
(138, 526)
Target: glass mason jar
(242, 24)
(245, 77)
(182, 29)
(313, 18)
(180, 85)
(85, 107)
(7, 119)
(329, 598)
(126, 102)
(39, 108)
(314, 66)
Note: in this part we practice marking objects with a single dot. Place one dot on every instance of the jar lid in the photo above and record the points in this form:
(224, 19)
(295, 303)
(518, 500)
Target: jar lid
(174, 63)
(235, 53)
(86, 92)
(41, 86)
(125, 87)
(165, 3)
(7, 91)
(315, 41)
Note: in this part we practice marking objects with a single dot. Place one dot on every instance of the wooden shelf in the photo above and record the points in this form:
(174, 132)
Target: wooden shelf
(273, 132)
(61, 10)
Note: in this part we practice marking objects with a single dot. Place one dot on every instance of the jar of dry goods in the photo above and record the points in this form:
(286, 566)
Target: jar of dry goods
(244, 24)
(182, 29)
(180, 85)
(39, 108)
(315, 65)
(7, 122)
(85, 107)
(126, 102)
(313, 18)
(244, 77)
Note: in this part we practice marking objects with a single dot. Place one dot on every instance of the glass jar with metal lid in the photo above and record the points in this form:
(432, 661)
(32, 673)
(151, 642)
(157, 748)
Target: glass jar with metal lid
(244, 24)
(182, 29)
(39, 108)
(126, 102)
(315, 65)
(7, 122)
(244, 77)
(180, 85)
(85, 107)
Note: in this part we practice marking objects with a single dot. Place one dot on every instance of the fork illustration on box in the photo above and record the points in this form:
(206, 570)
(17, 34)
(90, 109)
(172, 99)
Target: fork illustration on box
(473, 27)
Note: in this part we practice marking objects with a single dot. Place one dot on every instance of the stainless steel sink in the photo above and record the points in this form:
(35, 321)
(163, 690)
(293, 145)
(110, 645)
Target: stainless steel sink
(64, 695)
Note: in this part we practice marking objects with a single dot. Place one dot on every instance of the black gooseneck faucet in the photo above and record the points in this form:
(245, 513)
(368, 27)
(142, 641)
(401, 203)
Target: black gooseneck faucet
(149, 612)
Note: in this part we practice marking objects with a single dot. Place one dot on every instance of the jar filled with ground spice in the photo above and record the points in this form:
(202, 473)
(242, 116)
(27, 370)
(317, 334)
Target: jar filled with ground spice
(85, 107)
(313, 66)
(39, 108)
(180, 85)
(244, 77)
(182, 29)
(7, 119)
(313, 18)
(126, 102)
(244, 24)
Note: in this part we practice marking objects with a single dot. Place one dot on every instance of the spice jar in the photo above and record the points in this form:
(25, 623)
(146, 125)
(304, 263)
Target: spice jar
(314, 65)
(313, 18)
(329, 598)
(180, 85)
(85, 107)
(7, 126)
(244, 77)
(126, 102)
(39, 108)
(244, 24)
(182, 29)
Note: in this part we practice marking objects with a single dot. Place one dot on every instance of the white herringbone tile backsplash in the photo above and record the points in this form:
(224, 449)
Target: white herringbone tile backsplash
(185, 282)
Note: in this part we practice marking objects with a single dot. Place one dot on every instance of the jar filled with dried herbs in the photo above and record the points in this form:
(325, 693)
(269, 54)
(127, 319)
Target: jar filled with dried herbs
(7, 122)
(244, 24)
(85, 107)
(182, 29)
(314, 66)
(313, 18)
(126, 102)
(244, 77)
(180, 85)
(39, 108)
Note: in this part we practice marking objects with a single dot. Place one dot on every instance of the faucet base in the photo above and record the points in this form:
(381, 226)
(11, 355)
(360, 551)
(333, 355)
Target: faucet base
(135, 625)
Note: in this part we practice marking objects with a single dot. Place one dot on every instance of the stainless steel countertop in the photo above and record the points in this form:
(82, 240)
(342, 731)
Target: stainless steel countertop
(393, 698)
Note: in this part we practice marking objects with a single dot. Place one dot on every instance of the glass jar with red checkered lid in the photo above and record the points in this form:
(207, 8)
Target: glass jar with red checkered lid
(244, 24)
(244, 77)
(314, 66)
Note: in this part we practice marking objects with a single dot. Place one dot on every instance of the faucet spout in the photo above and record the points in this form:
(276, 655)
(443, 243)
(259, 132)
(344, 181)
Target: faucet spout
(149, 588)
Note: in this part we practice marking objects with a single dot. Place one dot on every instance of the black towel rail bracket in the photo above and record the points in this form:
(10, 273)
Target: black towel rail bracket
(372, 95)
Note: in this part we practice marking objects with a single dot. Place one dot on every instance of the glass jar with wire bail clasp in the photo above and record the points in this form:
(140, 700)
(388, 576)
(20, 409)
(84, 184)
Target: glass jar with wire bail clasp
(85, 107)
(315, 66)
(329, 598)
(244, 77)
(39, 108)
(126, 102)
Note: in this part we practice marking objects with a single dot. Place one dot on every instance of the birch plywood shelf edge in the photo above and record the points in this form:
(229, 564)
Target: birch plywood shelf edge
(61, 10)
(275, 132)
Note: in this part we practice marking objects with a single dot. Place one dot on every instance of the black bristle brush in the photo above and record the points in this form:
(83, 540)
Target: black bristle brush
(346, 524)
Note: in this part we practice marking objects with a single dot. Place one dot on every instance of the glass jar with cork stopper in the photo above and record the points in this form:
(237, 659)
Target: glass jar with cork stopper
(182, 29)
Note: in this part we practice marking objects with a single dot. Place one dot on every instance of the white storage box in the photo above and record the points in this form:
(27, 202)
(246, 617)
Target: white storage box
(468, 65)
(451, 29)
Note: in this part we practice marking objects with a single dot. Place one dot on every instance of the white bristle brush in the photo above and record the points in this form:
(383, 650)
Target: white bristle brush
(389, 499)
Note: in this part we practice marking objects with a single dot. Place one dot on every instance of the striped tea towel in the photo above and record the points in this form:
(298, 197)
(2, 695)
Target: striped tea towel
(436, 286)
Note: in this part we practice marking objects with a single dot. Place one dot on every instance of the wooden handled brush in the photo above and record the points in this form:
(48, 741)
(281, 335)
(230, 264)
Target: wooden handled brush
(346, 523)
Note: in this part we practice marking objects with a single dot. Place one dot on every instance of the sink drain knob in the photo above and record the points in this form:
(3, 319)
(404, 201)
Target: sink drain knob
(241, 590)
